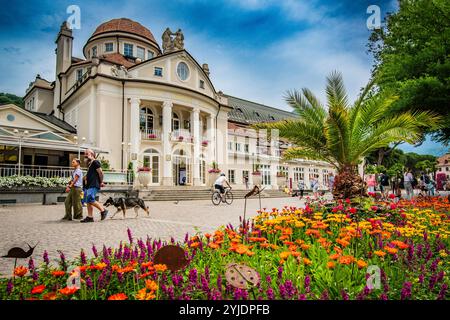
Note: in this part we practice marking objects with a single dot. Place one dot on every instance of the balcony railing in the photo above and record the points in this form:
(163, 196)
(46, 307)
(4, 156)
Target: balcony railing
(151, 134)
(262, 150)
(182, 135)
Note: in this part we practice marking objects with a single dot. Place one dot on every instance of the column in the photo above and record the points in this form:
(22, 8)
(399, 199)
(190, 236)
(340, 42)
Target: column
(273, 174)
(195, 131)
(135, 134)
(167, 147)
(211, 139)
(92, 115)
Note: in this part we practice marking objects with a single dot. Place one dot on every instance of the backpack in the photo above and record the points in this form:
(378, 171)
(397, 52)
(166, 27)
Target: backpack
(427, 179)
(385, 180)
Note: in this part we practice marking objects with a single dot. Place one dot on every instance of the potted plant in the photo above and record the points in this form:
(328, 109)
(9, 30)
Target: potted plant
(152, 136)
(204, 143)
(213, 174)
(257, 176)
(144, 176)
(180, 138)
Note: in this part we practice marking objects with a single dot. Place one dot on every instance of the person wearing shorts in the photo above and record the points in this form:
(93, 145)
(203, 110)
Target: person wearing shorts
(93, 182)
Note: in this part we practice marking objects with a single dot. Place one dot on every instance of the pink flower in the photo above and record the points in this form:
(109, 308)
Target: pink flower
(392, 196)
(393, 206)
(374, 208)
(352, 210)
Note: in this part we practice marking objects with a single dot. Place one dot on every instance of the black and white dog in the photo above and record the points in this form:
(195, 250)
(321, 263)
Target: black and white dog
(124, 203)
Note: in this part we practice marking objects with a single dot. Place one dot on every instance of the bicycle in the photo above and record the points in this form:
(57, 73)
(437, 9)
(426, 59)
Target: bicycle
(217, 197)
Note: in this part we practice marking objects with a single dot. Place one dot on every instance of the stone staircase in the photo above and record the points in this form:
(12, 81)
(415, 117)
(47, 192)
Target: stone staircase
(197, 193)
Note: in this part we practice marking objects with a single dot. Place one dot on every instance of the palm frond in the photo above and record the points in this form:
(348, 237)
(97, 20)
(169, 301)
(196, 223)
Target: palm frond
(335, 90)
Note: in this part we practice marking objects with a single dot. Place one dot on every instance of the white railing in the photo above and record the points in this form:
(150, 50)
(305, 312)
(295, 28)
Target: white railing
(110, 176)
(7, 170)
(181, 135)
(151, 134)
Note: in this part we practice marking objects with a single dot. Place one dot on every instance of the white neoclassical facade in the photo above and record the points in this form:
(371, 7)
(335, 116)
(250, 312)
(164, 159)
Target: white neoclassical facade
(137, 103)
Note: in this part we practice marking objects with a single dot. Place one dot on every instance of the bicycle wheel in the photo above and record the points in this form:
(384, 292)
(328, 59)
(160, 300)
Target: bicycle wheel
(229, 198)
(216, 198)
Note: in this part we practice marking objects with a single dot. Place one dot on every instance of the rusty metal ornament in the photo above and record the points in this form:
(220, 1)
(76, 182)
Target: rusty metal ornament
(241, 276)
(172, 256)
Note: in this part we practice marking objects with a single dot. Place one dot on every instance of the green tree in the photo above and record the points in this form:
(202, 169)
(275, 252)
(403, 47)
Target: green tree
(342, 133)
(412, 56)
(426, 166)
(7, 98)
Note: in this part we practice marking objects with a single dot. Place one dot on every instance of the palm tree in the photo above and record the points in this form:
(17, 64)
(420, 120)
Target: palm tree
(343, 134)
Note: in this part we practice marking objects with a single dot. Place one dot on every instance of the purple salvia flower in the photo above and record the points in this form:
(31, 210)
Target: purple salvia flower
(344, 295)
(270, 294)
(120, 277)
(434, 265)
(130, 236)
(432, 283)
(406, 291)
(171, 293)
(302, 296)
(282, 291)
(31, 264)
(63, 260)
(94, 251)
(440, 276)
(307, 283)
(419, 250)
(442, 292)
(219, 283)
(421, 278)
(45, 257)
(35, 276)
(193, 276)
(280, 272)
(172, 240)
(289, 288)
(83, 257)
(9, 287)
(325, 295)
(186, 238)
(425, 236)
(384, 296)
(268, 279)
(207, 276)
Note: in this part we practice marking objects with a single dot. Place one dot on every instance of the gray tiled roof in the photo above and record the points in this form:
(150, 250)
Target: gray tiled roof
(57, 122)
(245, 111)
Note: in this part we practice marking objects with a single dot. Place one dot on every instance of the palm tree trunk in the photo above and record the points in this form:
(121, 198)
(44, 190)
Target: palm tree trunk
(348, 183)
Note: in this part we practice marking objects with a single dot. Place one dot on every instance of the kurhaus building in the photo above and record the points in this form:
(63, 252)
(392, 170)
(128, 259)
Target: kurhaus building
(132, 101)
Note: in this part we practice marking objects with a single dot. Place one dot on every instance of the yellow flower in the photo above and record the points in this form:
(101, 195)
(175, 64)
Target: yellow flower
(443, 254)
(151, 285)
(307, 261)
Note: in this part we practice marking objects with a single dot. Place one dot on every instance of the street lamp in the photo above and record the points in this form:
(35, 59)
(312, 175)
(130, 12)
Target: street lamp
(78, 144)
(20, 136)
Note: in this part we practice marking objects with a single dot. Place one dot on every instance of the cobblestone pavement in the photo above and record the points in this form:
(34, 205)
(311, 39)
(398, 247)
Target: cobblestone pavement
(38, 223)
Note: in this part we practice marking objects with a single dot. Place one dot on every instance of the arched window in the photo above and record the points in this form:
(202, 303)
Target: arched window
(175, 122)
(146, 119)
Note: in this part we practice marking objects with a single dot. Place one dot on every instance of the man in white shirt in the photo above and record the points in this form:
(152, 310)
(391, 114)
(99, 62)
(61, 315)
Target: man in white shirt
(408, 179)
(219, 184)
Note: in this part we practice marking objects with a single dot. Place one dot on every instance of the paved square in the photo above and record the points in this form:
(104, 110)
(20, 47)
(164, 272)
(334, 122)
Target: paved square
(38, 223)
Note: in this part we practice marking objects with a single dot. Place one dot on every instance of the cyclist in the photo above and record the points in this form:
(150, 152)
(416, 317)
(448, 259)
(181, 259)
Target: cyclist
(219, 184)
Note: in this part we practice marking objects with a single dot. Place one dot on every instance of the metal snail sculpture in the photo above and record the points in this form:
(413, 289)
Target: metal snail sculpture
(172, 256)
(19, 253)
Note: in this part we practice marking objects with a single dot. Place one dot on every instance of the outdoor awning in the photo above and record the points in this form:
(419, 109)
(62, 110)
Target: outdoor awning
(50, 145)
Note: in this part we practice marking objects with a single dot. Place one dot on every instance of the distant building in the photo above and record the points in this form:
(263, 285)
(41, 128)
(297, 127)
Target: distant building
(444, 165)
(132, 101)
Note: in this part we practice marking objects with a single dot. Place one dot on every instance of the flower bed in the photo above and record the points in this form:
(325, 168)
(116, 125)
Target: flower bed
(32, 182)
(322, 251)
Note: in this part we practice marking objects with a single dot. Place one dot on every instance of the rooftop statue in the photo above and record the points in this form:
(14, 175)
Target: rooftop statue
(172, 41)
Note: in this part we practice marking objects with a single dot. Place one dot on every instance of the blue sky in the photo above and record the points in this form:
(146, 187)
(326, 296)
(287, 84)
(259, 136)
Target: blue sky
(256, 49)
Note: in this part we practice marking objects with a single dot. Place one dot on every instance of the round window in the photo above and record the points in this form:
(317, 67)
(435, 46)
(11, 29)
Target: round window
(10, 117)
(183, 71)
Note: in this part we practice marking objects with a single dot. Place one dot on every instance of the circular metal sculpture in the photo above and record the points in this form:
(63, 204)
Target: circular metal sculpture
(172, 256)
(241, 276)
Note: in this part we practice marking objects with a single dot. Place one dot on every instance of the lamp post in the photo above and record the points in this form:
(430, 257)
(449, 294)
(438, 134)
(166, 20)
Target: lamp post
(20, 136)
(78, 144)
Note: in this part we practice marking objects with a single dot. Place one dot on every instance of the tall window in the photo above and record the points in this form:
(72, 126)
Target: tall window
(231, 176)
(128, 50)
(109, 47)
(94, 52)
(175, 122)
(230, 146)
(299, 174)
(79, 74)
(246, 148)
(202, 84)
(238, 147)
(146, 119)
(158, 72)
(149, 54)
(140, 53)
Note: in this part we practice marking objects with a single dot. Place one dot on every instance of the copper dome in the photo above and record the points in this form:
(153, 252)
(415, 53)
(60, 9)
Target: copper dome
(124, 25)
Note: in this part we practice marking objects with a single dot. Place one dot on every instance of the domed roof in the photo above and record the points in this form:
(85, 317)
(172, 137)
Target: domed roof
(124, 25)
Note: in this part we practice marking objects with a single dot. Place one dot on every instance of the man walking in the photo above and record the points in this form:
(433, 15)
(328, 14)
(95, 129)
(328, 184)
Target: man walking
(408, 179)
(93, 183)
(301, 187)
(74, 197)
